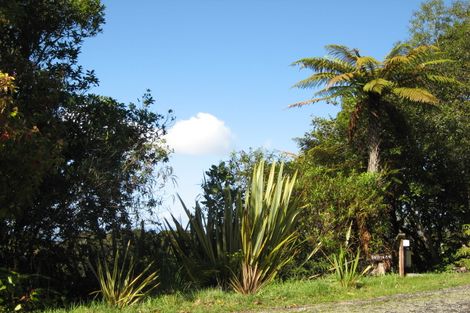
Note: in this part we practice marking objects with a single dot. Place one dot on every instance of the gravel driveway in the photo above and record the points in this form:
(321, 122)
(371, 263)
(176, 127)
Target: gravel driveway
(455, 300)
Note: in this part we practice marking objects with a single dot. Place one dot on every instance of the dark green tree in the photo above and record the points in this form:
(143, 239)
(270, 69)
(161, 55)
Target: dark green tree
(83, 170)
(233, 175)
(39, 46)
(429, 203)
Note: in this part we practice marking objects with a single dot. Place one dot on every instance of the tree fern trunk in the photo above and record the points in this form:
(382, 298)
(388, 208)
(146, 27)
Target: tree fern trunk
(364, 236)
(373, 165)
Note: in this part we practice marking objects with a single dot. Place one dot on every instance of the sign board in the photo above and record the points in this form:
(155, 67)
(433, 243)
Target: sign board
(380, 257)
(406, 243)
(408, 258)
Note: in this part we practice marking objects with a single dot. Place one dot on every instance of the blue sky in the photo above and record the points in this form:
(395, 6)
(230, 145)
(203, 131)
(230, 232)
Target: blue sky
(224, 67)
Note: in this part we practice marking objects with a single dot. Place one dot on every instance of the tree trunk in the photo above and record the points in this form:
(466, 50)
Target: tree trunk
(373, 166)
(374, 143)
(364, 236)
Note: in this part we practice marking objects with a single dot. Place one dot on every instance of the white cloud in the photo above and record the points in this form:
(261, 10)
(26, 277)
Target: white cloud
(202, 134)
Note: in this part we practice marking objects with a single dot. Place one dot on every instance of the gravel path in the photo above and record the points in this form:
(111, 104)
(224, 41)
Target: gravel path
(455, 300)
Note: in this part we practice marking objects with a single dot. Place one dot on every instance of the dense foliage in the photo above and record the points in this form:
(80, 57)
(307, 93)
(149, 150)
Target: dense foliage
(432, 200)
(240, 243)
(74, 167)
(209, 247)
(422, 148)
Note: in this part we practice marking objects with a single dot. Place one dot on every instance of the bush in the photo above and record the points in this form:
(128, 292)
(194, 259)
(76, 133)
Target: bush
(243, 246)
(268, 229)
(209, 247)
(345, 266)
(462, 255)
(120, 286)
(16, 293)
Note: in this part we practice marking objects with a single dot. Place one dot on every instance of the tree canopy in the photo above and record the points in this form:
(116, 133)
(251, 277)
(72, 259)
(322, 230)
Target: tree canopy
(83, 165)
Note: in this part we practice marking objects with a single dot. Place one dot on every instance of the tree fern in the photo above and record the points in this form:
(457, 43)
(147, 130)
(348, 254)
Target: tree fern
(406, 74)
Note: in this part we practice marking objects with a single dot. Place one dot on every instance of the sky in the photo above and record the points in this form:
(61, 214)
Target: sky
(224, 68)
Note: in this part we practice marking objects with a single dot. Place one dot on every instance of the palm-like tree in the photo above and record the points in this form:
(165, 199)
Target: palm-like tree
(405, 75)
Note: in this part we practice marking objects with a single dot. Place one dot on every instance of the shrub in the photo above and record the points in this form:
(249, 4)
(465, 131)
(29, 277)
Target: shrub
(462, 255)
(267, 231)
(120, 285)
(246, 245)
(209, 247)
(345, 266)
(16, 293)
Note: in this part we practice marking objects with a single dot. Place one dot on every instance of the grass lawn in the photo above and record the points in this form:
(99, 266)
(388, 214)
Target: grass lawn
(286, 294)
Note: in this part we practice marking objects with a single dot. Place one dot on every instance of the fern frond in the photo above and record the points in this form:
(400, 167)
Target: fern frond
(366, 62)
(424, 49)
(463, 252)
(415, 95)
(420, 54)
(335, 92)
(322, 65)
(345, 73)
(315, 80)
(399, 49)
(442, 79)
(396, 61)
(311, 101)
(343, 53)
(434, 62)
(377, 85)
(346, 77)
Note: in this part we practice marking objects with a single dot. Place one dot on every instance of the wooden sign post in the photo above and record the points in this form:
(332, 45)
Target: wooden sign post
(381, 263)
(401, 259)
(401, 253)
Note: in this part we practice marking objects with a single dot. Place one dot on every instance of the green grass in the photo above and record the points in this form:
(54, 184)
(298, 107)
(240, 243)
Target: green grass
(287, 294)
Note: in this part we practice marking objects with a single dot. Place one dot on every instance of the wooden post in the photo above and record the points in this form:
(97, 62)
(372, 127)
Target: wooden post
(401, 259)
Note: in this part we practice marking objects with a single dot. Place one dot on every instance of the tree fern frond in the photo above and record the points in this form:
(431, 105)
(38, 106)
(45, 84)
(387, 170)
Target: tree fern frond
(434, 62)
(315, 80)
(403, 70)
(396, 61)
(343, 53)
(399, 49)
(366, 62)
(421, 53)
(346, 77)
(335, 91)
(311, 101)
(415, 95)
(377, 85)
(442, 79)
(321, 65)
(424, 49)
(418, 57)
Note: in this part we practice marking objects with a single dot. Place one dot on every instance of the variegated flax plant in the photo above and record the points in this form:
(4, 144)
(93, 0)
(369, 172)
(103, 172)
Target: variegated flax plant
(268, 234)
(209, 247)
(120, 284)
(346, 266)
